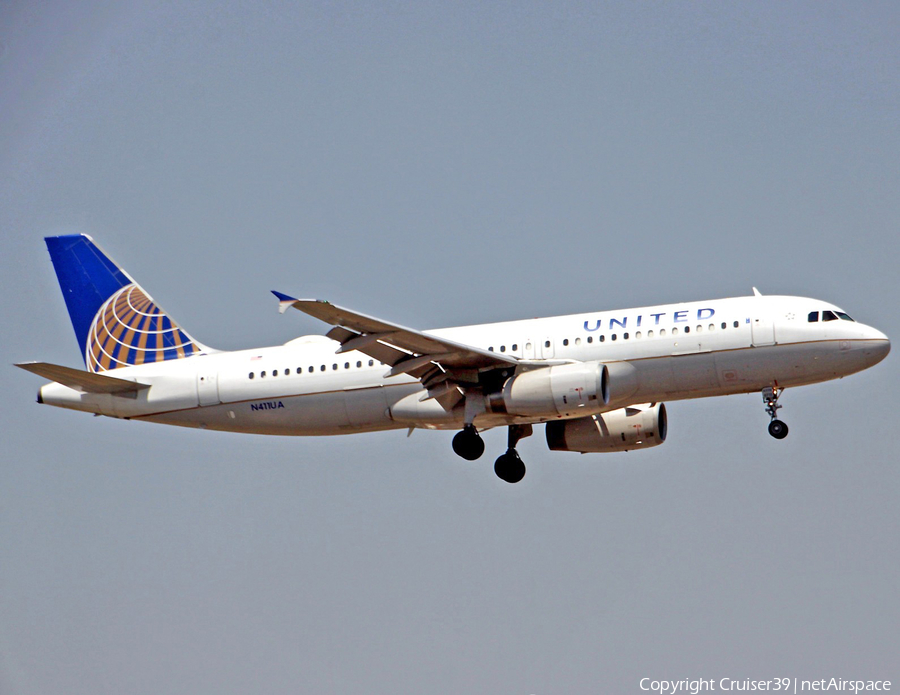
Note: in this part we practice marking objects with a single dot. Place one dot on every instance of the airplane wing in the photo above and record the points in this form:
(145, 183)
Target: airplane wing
(87, 382)
(440, 364)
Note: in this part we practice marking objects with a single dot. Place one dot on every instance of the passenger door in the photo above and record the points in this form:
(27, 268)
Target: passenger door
(762, 331)
(208, 388)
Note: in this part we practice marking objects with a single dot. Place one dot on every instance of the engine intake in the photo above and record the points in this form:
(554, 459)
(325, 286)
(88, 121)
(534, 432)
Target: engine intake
(634, 427)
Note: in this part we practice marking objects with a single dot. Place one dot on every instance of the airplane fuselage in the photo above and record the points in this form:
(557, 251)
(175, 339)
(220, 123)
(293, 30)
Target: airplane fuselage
(661, 353)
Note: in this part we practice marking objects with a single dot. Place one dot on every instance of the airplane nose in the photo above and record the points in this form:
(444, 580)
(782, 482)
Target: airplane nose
(878, 346)
(880, 350)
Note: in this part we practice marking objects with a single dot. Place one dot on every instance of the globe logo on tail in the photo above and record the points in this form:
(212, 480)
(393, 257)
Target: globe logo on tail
(130, 329)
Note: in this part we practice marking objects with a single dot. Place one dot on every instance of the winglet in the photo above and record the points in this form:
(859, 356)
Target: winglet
(285, 301)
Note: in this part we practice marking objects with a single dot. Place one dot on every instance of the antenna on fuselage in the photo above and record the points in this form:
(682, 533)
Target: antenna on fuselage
(757, 293)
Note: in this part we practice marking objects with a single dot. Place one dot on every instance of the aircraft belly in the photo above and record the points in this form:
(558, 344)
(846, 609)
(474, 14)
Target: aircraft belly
(788, 365)
(694, 372)
(676, 377)
(366, 407)
(332, 412)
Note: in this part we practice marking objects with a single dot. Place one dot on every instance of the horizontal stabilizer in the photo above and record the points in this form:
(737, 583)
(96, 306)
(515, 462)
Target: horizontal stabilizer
(79, 380)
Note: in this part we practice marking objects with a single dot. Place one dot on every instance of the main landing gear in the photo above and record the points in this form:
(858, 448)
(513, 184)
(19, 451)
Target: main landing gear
(468, 443)
(508, 467)
(770, 397)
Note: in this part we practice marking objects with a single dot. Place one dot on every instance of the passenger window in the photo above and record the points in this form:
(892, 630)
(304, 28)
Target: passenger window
(546, 343)
(262, 375)
(491, 349)
(650, 333)
(624, 336)
(724, 325)
(813, 317)
(311, 370)
(712, 327)
(736, 324)
(828, 316)
(299, 370)
(613, 337)
(358, 365)
(502, 348)
(322, 368)
(662, 332)
(578, 341)
(590, 339)
(566, 342)
(251, 375)
(602, 338)
(346, 365)
(371, 363)
(687, 329)
(334, 366)
(515, 347)
(274, 372)
(699, 329)
(637, 335)
(675, 331)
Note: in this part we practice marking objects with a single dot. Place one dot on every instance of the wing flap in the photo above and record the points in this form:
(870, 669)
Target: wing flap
(87, 382)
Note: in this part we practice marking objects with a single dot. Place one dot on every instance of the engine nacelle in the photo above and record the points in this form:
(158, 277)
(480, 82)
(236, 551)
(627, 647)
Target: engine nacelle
(562, 390)
(634, 427)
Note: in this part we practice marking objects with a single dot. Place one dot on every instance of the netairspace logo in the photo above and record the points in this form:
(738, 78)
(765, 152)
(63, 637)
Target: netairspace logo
(785, 685)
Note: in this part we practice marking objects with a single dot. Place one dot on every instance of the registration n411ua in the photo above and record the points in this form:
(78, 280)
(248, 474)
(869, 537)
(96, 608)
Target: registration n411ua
(596, 381)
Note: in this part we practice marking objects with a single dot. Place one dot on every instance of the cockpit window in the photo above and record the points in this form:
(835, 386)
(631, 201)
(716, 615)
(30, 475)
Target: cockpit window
(828, 316)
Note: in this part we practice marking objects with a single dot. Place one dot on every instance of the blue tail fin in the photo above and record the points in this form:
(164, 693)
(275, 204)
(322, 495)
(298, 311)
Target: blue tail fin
(117, 324)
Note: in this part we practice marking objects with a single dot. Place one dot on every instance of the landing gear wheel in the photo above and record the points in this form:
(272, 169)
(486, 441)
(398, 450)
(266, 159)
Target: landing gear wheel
(778, 429)
(770, 396)
(509, 467)
(468, 444)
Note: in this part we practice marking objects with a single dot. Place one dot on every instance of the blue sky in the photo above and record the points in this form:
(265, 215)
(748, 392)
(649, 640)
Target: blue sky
(441, 164)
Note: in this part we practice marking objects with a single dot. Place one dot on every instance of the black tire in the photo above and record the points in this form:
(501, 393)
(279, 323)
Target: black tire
(778, 429)
(468, 444)
(509, 467)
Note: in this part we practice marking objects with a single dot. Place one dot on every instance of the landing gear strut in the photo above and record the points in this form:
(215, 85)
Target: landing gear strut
(509, 466)
(770, 397)
(468, 443)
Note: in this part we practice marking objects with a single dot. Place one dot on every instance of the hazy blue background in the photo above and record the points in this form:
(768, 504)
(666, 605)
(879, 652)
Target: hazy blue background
(439, 164)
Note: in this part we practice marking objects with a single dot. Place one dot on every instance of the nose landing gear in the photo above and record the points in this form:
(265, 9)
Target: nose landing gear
(770, 397)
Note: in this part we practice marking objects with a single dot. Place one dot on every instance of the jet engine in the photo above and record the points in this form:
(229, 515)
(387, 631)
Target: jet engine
(634, 427)
(563, 390)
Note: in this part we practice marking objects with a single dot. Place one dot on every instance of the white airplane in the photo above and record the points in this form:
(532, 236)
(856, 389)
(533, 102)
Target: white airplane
(597, 380)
